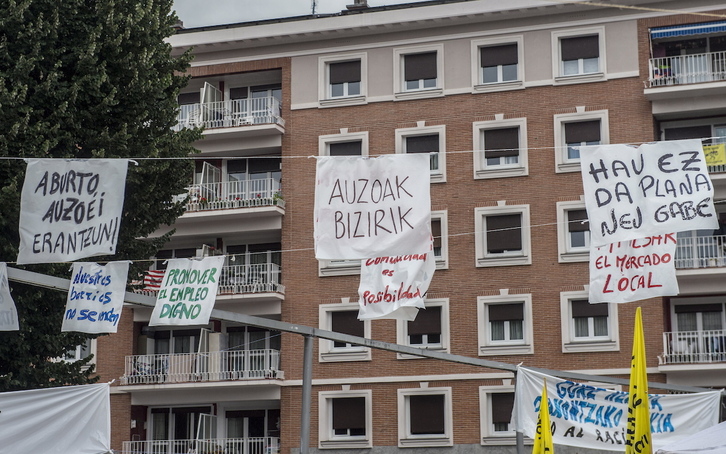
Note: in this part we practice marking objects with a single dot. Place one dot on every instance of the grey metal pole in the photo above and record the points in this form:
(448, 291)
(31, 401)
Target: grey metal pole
(307, 385)
(520, 442)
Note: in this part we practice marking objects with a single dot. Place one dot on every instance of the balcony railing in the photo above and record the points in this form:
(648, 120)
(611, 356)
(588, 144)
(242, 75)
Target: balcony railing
(234, 194)
(250, 278)
(684, 347)
(254, 445)
(701, 252)
(230, 113)
(201, 367)
(687, 69)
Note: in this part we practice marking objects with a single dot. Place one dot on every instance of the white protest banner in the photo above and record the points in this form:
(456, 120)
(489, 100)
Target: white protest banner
(372, 207)
(633, 270)
(70, 209)
(63, 420)
(654, 189)
(8, 312)
(187, 292)
(394, 287)
(95, 297)
(587, 416)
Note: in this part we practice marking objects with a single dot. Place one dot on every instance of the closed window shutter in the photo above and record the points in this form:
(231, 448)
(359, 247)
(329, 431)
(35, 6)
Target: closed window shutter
(690, 132)
(422, 144)
(580, 47)
(345, 148)
(427, 414)
(582, 308)
(501, 142)
(504, 312)
(577, 221)
(188, 98)
(347, 322)
(436, 232)
(502, 405)
(686, 308)
(420, 66)
(498, 55)
(427, 321)
(582, 131)
(504, 233)
(349, 413)
(348, 71)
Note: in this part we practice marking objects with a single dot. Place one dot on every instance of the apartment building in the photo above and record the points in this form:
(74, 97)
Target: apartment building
(501, 95)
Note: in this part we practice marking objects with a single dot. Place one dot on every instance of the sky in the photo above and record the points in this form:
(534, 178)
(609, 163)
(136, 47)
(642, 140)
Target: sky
(201, 13)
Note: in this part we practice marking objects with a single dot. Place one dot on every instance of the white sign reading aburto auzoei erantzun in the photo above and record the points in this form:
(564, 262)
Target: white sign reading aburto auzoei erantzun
(372, 207)
(70, 209)
(655, 189)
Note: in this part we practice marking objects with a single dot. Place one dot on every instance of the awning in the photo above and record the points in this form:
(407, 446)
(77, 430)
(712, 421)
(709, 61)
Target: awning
(688, 30)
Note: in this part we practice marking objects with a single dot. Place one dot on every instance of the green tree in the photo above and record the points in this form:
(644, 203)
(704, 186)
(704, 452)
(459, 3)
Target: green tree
(85, 79)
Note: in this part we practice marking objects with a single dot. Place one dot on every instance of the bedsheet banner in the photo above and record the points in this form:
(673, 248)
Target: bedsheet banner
(8, 312)
(64, 420)
(587, 416)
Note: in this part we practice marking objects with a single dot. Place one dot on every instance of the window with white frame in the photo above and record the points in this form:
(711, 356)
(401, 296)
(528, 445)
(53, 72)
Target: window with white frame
(425, 139)
(573, 230)
(711, 130)
(502, 235)
(495, 408)
(344, 144)
(499, 63)
(343, 79)
(580, 54)
(505, 324)
(81, 351)
(418, 71)
(346, 419)
(440, 232)
(343, 318)
(575, 130)
(587, 327)
(425, 417)
(429, 330)
(501, 148)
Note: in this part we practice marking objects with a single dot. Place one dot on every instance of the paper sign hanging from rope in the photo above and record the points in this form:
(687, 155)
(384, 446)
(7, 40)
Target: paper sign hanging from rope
(633, 270)
(655, 189)
(394, 287)
(715, 154)
(70, 209)
(372, 207)
(8, 312)
(587, 416)
(95, 297)
(187, 292)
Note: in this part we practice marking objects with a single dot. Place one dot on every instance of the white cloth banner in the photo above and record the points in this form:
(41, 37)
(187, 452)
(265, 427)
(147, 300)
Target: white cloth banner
(95, 297)
(654, 189)
(70, 209)
(633, 270)
(8, 312)
(188, 292)
(372, 207)
(394, 287)
(586, 416)
(64, 420)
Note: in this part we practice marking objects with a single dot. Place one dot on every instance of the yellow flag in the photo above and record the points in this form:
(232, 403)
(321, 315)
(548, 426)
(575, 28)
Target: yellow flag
(543, 437)
(638, 439)
(715, 154)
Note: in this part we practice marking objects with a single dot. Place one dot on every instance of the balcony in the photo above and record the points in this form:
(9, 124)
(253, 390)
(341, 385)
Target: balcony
(687, 69)
(250, 445)
(202, 367)
(226, 195)
(231, 113)
(694, 252)
(693, 347)
(250, 278)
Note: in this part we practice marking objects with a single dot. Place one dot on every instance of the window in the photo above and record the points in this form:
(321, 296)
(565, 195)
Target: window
(502, 148)
(425, 139)
(343, 318)
(577, 129)
(418, 71)
(496, 404)
(344, 144)
(166, 254)
(440, 232)
(588, 327)
(429, 330)
(345, 419)
(580, 55)
(573, 231)
(82, 351)
(502, 237)
(505, 324)
(424, 417)
(498, 63)
(343, 79)
(345, 148)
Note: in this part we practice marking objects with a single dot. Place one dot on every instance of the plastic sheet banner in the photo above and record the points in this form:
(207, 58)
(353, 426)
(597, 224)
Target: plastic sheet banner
(394, 287)
(633, 270)
(64, 420)
(372, 207)
(8, 312)
(587, 416)
(95, 297)
(70, 209)
(654, 189)
(188, 292)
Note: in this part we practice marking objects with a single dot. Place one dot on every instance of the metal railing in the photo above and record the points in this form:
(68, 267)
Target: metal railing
(230, 113)
(201, 367)
(684, 347)
(250, 278)
(250, 445)
(687, 69)
(234, 194)
(701, 252)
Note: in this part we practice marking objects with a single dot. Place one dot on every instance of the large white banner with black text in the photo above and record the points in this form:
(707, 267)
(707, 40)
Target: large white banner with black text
(8, 312)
